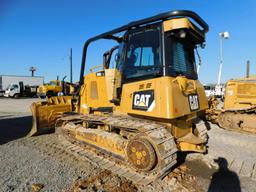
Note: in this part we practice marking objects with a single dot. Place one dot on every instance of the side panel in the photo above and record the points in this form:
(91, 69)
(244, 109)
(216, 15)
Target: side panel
(113, 81)
(96, 91)
(240, 94)
(160, 98)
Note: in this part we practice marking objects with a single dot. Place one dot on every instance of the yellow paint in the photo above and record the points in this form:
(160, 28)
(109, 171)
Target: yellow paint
(102, 88)
(45, 113)
(176, 98)
(183, 146)
(240, 93)
(55, 87)
(171, 105)
(177, 101)
(111, 142)
(181, 23)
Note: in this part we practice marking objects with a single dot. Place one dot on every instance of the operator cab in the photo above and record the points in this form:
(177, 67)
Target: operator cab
(155, 50)
(162, 49)
(54, 83)
(159, 50)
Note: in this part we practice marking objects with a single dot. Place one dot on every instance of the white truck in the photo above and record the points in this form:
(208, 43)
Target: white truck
(209, 90)
(219, 91)
(214, 90)
(16, 86)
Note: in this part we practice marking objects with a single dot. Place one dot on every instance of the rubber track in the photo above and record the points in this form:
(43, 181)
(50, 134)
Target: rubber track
(163, 141)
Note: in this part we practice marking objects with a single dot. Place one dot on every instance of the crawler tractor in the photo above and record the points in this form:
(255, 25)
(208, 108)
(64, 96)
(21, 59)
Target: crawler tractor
(146, 108)
(54, 87)
(239, 110)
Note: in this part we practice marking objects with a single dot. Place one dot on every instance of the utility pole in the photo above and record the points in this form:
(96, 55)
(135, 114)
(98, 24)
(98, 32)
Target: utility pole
(32, 69)
(70, 58)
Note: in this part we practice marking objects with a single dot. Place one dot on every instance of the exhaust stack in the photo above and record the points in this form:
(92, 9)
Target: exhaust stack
(248, 69)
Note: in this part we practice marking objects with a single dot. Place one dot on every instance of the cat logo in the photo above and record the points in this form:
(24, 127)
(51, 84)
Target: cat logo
(144, 100)
(193, 102)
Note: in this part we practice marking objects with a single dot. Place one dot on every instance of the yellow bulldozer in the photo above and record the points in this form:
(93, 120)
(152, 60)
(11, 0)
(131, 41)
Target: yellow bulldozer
(54, 87)
(146, 108)
(49, 89)
(239, 110)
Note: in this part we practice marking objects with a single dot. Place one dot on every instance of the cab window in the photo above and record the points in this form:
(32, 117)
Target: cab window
(52, 83)
(143, 55)
(14, 87)
(179, 54)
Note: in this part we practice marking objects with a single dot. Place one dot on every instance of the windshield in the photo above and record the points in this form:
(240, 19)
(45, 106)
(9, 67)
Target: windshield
(143, 54)
(52, 83)
(12, 87)
(207, 88)
(180, 57)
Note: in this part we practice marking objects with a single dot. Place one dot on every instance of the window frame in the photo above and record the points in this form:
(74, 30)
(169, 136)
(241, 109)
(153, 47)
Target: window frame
(161, 54)
(169, 51)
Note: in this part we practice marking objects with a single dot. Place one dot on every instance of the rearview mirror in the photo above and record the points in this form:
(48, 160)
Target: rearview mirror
(202, 45)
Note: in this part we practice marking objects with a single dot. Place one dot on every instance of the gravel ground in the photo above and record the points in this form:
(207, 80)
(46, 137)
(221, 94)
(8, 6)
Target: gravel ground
(232, 151)
(25, 161)
(41, 160)
(10, 106)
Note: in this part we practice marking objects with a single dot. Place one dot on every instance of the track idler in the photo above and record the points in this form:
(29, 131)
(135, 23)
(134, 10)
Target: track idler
(141, 154)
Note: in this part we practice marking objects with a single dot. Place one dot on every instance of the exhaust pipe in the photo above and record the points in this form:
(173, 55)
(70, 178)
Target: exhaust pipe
(248, 69)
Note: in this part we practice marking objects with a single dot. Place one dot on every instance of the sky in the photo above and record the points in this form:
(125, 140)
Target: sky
(40, 33)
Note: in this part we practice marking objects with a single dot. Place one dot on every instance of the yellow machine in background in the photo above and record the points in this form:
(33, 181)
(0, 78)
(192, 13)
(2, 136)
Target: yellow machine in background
(50, 89)
(54, 87)
(146, 108)
(239, 111)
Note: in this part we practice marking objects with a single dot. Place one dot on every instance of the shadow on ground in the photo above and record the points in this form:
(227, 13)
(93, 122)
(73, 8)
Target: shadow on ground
(224, 179)
(14, 128)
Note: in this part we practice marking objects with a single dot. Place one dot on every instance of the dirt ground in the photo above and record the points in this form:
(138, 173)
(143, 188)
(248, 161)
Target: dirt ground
(40, 164)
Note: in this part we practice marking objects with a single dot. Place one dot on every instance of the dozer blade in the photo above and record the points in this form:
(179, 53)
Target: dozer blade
(46, 113)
